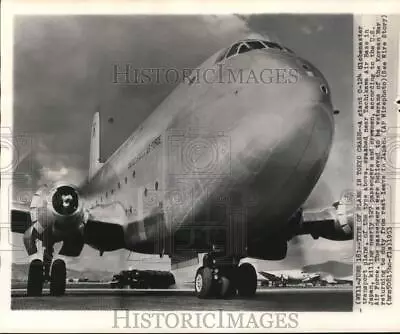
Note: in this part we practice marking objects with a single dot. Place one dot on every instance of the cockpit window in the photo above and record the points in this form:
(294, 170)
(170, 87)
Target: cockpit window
(233, 50)
(272, 45)
(244, 48)
(255, 45)
(248, 45)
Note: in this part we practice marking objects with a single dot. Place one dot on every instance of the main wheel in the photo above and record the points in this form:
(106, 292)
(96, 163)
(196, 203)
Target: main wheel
(247, 280)
(227, 288)
(35, 278)
(203, 282)
(57, 278)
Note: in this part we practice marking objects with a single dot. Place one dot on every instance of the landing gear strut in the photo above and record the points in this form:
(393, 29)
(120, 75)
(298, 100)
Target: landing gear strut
(39, 272)
(47, 258)
(222, 277)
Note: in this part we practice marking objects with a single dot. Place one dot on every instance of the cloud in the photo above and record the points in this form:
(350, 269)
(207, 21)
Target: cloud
(224, 24)
(64, 67)
(312, 28)
(54, 175)
(254, 35)
(306, 30)
(71, 175)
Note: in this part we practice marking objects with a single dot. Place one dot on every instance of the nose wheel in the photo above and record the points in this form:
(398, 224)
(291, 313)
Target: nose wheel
(247, 280)
(203, 282)
(223, 279)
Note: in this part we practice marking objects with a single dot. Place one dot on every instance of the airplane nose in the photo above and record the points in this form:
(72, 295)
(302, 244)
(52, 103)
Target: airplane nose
(277, 140)
(285, 156)
(319, 140)
(304, 154)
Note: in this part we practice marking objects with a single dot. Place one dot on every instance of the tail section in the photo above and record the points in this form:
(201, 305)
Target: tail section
(94, 162)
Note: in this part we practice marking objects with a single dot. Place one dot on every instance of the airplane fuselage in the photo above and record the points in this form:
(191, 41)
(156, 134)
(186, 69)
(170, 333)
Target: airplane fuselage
(235, 156)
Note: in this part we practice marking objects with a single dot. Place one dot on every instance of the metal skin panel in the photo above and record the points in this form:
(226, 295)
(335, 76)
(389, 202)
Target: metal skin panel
(267, 141)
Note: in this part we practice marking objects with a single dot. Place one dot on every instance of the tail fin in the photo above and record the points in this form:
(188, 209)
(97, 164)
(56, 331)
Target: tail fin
(94, 162)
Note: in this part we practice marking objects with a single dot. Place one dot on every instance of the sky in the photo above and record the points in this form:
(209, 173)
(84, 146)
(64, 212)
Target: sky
(63, 73)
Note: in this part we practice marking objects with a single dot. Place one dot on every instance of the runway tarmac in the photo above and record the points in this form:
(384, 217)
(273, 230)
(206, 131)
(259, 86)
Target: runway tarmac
(276, 299)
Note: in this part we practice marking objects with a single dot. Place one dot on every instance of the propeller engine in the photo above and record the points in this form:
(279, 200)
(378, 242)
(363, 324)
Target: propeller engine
(333, 223)
(56, 213)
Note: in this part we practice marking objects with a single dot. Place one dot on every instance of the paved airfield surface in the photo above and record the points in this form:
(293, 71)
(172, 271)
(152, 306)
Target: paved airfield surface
(277, 299)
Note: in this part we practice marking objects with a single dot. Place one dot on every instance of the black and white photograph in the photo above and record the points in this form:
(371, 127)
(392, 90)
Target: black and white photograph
(183, 162)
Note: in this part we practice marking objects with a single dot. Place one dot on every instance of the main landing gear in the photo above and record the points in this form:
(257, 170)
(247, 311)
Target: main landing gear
(39, 272)
(222, 277)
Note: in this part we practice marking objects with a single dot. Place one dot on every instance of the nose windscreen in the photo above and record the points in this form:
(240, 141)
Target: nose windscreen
(65, 200)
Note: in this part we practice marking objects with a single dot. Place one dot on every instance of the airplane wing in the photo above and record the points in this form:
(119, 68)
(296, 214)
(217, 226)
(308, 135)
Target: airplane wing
(20, 218)
(346, 279)
(270, 276)
(311, 278)
(109, 236)
(106, 236)
(103, 232)
(333, 223)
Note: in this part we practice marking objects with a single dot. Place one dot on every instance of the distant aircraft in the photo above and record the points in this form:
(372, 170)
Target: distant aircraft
(295, 276)
(222, 168)
(330, 279)
(344, 280)
(284, 277)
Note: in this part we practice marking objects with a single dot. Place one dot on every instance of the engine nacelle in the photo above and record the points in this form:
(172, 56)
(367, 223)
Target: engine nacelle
(344, 223)
(334, 223)
(59, 208)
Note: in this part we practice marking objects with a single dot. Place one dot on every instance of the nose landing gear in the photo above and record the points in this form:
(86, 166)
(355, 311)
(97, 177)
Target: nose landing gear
(247, 276)
(222, 277)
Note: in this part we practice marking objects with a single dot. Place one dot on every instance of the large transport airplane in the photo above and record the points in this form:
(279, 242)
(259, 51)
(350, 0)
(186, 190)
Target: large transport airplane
(221, 167)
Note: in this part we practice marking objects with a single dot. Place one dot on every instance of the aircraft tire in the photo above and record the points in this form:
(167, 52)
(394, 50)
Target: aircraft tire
(227, 288)
(207, 260)
(35, 278)
(203, 283)
(57, 278)
(247, 280)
